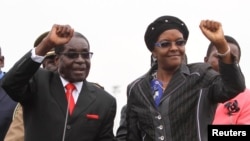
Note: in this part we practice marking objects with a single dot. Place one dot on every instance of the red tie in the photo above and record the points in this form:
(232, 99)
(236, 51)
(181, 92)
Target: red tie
(69, 89)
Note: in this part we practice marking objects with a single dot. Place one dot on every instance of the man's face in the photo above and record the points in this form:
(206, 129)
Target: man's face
(213, 58)
(74, 61)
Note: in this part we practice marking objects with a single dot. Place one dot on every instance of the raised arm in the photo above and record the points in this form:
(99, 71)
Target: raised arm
(58, 35)
(214, 32)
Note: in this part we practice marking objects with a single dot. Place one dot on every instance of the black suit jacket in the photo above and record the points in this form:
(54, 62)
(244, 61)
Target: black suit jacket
(7, 106)
(42, 96)
(187, 105)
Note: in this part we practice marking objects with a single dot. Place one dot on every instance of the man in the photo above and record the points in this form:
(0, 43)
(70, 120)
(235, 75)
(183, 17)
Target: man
(237, 109)
(7, 105)
(47, 114)
(49, 61)
(16, 129)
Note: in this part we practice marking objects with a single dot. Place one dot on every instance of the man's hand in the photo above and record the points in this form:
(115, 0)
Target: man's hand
(58, 35)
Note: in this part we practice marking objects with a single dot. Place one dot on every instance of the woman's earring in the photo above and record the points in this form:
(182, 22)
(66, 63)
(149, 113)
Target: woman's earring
(154, 58)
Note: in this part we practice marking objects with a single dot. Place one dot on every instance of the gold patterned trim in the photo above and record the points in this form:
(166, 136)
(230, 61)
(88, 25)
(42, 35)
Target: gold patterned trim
(18, 106)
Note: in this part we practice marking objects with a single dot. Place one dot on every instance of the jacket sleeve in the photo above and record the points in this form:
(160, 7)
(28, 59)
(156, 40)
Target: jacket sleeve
(16, 80)
(106, 133)
(232, 82)
(122, 129)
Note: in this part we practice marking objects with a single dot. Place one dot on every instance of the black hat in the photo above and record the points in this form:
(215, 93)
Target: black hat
(162, 24)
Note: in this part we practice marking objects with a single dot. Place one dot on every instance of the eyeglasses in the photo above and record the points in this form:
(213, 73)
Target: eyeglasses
(74, 55)
(167, 44)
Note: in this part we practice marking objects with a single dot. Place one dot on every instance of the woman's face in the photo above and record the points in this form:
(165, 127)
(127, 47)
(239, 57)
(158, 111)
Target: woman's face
(170, 49)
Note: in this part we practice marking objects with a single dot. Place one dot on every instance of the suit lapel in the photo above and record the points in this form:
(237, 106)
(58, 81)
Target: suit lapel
(145, 89)
(2, 92)
(58, 92)
(86, 97)
(176, 82)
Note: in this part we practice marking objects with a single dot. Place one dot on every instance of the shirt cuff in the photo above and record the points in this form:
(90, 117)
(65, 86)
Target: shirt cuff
(35, 57)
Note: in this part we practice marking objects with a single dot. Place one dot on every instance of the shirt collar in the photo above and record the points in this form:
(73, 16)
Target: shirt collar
(78, 85)
(1, 74)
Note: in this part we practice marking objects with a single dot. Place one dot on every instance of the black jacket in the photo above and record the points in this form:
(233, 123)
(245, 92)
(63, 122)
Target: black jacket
(44, 103)
(187, 106)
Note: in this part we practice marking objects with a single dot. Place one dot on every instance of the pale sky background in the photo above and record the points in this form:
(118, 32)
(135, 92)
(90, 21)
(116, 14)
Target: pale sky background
(115, 29)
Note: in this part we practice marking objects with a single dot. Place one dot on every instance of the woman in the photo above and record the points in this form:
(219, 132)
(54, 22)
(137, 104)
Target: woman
(175, 101)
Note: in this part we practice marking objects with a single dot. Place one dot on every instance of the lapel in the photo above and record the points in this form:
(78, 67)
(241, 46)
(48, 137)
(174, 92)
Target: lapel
(86, 97)
(58, 92)
(2, 93)
(176, 82)
(145, 89)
